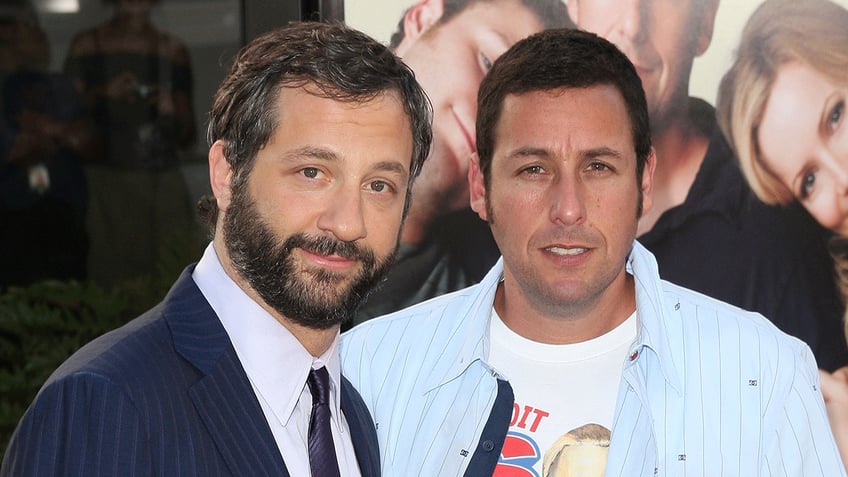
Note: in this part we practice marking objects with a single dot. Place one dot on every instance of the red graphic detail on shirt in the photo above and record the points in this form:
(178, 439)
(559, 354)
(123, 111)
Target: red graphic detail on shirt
(517, 445)
(520, 453)
(520, 417)
(506, 470)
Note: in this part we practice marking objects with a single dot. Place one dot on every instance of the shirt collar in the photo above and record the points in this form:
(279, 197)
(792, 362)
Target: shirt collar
(653, 314)
(274, 360)
(469, 339)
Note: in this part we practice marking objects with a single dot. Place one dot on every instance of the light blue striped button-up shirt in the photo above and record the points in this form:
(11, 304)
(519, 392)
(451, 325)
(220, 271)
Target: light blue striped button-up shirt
(707, 389)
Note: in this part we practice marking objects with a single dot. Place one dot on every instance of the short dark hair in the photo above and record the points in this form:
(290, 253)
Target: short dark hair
(551, 14)
(338, 62)
(554, 59)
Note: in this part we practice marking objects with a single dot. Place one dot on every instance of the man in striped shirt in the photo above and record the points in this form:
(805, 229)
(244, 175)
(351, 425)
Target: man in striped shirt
(572, 356)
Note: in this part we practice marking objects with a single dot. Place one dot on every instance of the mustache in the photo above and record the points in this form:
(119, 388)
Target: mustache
(325, 245)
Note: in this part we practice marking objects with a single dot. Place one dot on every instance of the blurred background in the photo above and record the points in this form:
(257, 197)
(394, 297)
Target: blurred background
(103, 113)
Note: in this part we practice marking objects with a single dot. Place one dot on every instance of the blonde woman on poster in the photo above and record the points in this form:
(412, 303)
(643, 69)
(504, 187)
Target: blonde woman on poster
(782, 106)
(706, 228)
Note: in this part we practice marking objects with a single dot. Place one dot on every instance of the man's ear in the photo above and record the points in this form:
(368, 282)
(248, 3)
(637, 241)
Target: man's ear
(477, 188)
(648, 181)
(220, 175)
(706, 26)
(417, 20)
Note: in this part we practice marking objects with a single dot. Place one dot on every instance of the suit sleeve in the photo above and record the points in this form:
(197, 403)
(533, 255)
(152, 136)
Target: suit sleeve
(800, 442)
(80, 425)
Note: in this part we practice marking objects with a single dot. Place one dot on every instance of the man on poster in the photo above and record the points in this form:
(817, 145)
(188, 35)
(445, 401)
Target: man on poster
(450, 45)
(707, 229)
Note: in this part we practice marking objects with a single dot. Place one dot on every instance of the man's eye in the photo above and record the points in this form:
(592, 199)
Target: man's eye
(532, 170)
(485, 62)
(310, 172)
(379, 186)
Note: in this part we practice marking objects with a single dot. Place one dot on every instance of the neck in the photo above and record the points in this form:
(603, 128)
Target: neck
(680, 150)
(566, 323)
(316, 342)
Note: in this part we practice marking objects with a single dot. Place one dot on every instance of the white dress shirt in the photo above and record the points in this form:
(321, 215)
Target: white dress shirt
(277, 366)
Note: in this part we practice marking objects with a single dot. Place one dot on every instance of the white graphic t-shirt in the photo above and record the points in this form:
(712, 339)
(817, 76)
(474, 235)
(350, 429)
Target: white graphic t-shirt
(564, 400)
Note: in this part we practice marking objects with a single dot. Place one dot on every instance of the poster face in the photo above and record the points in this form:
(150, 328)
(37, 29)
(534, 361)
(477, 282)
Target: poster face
(379, 18)
(706, 228)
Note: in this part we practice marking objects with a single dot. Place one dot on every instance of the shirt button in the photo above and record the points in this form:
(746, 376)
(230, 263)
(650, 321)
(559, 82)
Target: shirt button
(488, 446)
(634, 356)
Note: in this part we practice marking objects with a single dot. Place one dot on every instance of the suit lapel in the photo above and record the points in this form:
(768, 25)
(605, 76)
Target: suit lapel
(225, 401)
(362, 431)
(223, 397)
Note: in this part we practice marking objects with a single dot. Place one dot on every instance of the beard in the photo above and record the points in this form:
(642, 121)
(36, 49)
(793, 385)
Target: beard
(316, 298)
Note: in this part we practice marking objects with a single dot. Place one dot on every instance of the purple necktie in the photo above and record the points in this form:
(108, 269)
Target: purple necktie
(322, 452)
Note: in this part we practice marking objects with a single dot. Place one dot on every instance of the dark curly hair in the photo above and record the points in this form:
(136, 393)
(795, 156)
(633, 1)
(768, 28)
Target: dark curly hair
(340, 63)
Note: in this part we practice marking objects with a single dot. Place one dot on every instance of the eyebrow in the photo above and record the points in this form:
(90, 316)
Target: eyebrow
(391, 166)
(502, 37)
(592, 153)
(528, 151)
(311, 152)
(602, 151)
(326, 155)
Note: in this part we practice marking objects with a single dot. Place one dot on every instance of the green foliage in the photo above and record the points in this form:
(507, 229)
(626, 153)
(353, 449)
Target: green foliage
(44, 323)
(40, 326)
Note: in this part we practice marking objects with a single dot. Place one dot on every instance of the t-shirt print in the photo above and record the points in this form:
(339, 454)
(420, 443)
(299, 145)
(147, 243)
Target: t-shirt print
(582, 451)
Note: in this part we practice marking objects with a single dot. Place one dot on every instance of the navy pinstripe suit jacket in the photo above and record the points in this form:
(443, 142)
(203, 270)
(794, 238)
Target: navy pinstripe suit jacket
(163, 395)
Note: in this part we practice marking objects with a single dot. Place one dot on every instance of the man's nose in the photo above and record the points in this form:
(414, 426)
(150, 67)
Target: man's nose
(631, 20)
(343, 214)
(567, 202)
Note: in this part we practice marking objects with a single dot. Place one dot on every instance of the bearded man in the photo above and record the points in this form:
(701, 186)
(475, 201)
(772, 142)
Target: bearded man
(316, 136)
